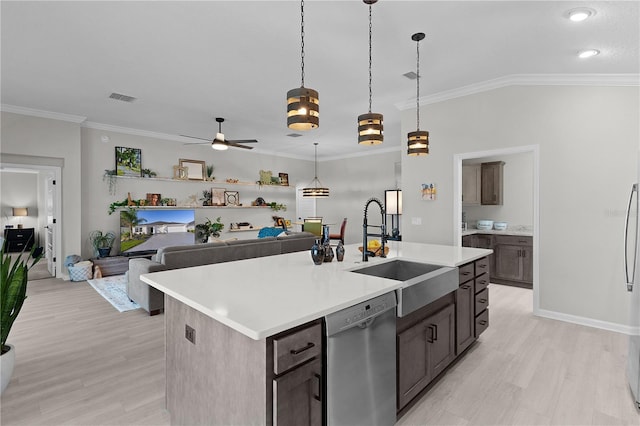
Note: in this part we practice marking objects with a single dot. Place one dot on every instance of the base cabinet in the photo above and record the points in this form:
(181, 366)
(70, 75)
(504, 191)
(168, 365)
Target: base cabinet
(297, 396)
(425, 348)
(465, 316)
(513, 260)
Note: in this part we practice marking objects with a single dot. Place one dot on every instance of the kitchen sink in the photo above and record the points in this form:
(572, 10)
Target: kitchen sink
(422, 283)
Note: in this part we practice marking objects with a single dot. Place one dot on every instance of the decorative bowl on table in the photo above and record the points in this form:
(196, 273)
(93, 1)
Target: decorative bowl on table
(485, 225)
(500, 226)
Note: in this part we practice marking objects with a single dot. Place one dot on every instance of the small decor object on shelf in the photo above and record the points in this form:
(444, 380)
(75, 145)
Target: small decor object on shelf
(110, 177)
(153, 200)
(284, 179)
(148, 173)
(210, 169)
(277, 207)
(128, 161)
(230, 180)
(206, 198)
(180, 172)
(265, 177)
(217, 197)
(275, 180)
(259, 202)
(232, 198)
(196, 169)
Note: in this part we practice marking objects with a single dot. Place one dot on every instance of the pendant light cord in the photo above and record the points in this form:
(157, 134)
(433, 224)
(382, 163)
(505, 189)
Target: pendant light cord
(418, 85)
(370, 75)
(315, 164)
(302, 40)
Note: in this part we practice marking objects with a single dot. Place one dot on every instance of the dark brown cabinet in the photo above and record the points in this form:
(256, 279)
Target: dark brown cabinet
(465, 310)
(19, 239)
(492, 183)
(424, 351)
(513, 260)
(297, 385)
(471, 185)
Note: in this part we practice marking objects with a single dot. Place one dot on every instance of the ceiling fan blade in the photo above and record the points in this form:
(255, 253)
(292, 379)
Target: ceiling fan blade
(197, 143)
(195, 137)
(243, 141)
(237, 145)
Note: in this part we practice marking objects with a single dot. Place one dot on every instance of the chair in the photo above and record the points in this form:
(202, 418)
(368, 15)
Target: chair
(313, 227)
(339, 236)
(313, 219)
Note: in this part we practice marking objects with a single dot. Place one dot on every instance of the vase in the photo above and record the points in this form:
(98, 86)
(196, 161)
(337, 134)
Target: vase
(328, 252)
(7, 361)
(340, 252)
(317, 253)
(325, 234)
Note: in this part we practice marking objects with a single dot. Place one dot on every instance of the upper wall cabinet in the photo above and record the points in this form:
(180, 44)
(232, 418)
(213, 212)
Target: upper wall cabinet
(492, 183)
(471, 178)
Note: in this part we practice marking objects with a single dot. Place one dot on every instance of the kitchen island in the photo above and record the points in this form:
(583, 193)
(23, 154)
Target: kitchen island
(237, 333)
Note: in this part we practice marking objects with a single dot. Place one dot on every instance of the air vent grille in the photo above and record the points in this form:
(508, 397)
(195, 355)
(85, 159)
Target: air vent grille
(411, 75)
(121, 97)
(294, 135)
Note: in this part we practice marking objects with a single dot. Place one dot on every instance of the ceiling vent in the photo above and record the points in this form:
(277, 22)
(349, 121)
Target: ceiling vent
(120, 97)
(294, 135)
(411, 75)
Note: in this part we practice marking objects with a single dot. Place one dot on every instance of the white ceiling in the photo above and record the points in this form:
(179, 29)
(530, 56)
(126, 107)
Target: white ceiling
(188, 62)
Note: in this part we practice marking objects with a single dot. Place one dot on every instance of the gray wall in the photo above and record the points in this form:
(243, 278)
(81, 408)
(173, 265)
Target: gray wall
(588, 141)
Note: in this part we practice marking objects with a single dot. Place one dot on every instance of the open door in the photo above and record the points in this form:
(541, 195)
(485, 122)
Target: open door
(50, 228)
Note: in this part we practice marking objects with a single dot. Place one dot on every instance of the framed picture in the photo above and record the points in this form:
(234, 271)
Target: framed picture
(196, 169)
(428, 191)
(128, 161)
(280, 223)
(284, 179)
(217, 196)
(232, 198)
(153, 199)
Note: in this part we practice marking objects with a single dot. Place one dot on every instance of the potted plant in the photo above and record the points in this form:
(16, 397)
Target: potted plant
(148, 173)
(111, 176)
(208, 229)
(102, 242)
(13, 283)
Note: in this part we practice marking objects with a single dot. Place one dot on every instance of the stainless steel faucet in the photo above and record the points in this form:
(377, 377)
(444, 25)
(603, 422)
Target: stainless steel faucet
(366, 226)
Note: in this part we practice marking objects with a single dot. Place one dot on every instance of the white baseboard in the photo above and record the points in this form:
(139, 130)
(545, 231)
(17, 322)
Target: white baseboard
(589, 322)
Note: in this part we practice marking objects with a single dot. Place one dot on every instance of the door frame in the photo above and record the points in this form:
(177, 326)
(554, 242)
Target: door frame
(457, 203)
(57, 209)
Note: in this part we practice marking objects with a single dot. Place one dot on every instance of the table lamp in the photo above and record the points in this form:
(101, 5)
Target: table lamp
(20, 212)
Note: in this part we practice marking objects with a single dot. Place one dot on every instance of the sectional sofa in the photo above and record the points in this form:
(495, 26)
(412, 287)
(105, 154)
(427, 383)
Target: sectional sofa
(175, 257)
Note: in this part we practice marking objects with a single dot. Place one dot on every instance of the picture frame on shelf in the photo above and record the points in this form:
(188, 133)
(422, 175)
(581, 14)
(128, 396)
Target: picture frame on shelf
(153, 199)
(196, 169)
(284, 179)
(128, 161)
(232, 198)
(180, 173)
(218, 196)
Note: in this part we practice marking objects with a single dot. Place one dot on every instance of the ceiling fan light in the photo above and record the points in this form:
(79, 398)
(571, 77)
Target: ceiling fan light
(418, 143)
(303, 109)
(219, 146)
(370, 129)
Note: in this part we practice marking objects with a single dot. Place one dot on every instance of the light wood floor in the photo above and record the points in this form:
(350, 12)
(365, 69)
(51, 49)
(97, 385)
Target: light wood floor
(80, 362)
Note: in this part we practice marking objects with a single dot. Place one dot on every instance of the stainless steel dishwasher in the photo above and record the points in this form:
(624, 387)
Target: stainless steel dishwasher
(361, 364)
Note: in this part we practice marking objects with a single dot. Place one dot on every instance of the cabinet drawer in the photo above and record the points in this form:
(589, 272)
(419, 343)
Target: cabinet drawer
(482, 265)
(482, 282)
(482, 300)
(482, 322)
(514, 240)
(296, 348)
(465, 272)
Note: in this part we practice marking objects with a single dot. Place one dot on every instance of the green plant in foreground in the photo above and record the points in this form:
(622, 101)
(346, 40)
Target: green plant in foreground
(13, 288)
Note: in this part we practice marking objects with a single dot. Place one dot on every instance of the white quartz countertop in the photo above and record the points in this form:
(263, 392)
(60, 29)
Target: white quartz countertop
(518, 232)
(263, 296)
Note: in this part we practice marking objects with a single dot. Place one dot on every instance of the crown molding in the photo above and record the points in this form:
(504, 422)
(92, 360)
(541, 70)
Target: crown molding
(526, 80)
(132, 131)
(42, 114)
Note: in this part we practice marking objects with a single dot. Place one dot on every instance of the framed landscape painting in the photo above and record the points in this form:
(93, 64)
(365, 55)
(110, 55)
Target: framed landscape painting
(128, 161)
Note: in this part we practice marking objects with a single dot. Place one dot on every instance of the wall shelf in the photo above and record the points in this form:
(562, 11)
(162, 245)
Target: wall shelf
(209, 182)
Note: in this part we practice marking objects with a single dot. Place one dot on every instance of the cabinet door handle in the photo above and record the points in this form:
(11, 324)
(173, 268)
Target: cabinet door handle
(298, 351)
(483, 322)
(482, 300)
(523, 241)
(482, 266)
(435, 331)
(465, 287)
(318, 396)
(466, 273)
(519, 253)
(430, 338)
(482, 281)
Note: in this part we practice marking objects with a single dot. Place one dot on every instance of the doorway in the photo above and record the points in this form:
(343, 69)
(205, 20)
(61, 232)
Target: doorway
(457, 207)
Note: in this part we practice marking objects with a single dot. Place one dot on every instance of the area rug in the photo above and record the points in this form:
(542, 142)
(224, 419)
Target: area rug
(114, 289)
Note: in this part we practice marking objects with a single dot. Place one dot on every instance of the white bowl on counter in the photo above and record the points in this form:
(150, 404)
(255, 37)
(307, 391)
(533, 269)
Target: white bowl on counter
(500, 226)
(484, 225)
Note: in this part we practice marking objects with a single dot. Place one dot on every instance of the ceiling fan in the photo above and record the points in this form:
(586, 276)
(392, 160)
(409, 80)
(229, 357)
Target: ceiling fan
(219, 142)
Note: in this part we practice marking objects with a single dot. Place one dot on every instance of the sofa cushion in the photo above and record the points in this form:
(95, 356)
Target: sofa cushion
(162, 250)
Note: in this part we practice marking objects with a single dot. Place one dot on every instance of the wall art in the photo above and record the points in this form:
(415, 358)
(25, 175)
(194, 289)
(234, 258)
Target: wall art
(428, 191)
(128, 161)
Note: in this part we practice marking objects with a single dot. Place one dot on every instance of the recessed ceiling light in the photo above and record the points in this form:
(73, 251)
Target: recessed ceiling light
(580, 14)
(588, 53)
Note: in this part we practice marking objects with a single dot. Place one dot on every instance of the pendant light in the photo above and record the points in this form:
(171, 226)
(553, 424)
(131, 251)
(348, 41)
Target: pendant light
(315, 189)
(418, 141)
(303, 107)
(370, 125)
